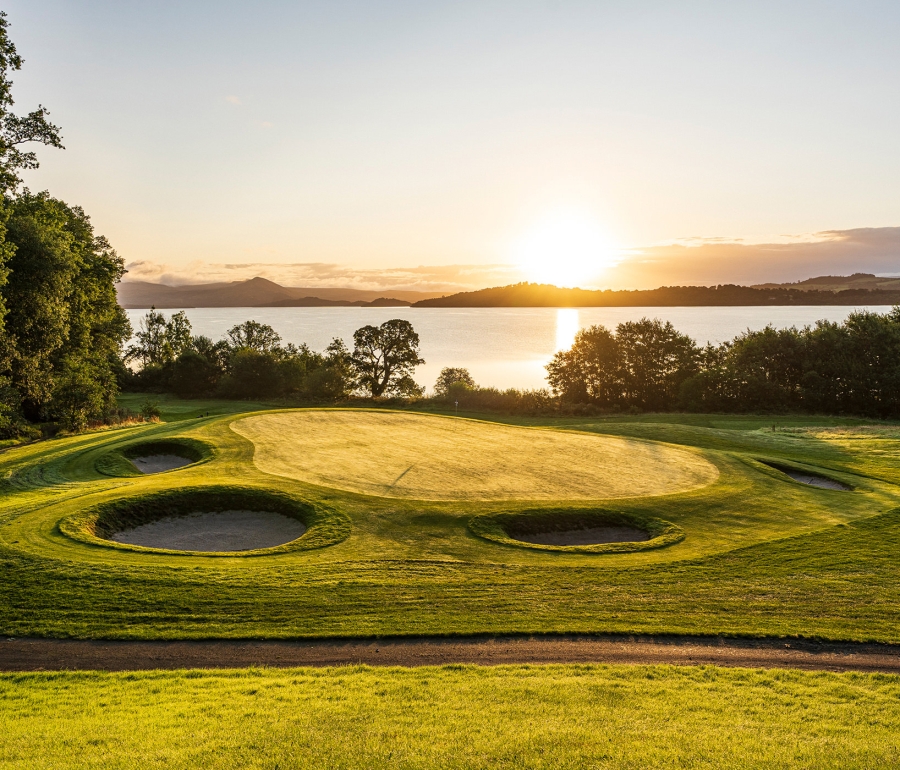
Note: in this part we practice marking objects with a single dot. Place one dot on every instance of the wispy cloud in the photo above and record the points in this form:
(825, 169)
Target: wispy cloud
(693, 261)
(232, 100)
(710, 261)
(448, 278)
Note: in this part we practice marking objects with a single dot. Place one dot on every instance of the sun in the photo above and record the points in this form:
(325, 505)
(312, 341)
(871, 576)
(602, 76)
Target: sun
(566, 249)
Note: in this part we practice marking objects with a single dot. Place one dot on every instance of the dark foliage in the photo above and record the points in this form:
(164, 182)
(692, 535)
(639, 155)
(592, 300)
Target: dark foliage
(849, 368)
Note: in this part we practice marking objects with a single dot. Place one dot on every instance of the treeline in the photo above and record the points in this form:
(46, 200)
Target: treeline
(546, 295)
(252, 362)
(61, 329)
(832, 368)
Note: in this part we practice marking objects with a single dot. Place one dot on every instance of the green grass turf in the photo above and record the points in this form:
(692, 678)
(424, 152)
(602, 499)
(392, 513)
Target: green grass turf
(762, 555)
(452, 717)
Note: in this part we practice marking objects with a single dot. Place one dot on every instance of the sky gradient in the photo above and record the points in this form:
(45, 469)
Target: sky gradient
(353, 138)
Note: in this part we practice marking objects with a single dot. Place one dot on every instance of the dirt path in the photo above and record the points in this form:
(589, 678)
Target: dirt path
(54, 655)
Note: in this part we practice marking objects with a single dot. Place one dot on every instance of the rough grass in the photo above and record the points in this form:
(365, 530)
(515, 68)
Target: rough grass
(453, 717)
(762, 555)
(422, 457)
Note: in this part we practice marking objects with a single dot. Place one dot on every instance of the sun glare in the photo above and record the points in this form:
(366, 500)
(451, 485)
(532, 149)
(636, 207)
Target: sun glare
(566, 249)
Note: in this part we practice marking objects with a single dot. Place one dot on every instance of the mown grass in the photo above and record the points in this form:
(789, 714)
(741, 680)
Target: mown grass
(762, 555)
(414, 456)
(451, 717)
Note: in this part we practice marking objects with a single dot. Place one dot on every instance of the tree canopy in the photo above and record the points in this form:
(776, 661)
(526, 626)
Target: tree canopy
(384, 358)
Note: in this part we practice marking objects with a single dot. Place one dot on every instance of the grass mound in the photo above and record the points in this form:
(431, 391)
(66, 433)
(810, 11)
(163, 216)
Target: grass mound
(118, 462)
(96, 525)
(424, 457)
(510, 528)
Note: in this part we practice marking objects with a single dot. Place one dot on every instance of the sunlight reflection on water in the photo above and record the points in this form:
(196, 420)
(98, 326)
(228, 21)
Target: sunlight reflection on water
(501, 347)
(566, 327)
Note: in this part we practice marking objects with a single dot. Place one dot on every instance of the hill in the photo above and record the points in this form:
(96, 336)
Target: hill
(839, 283)
(546, 295)
(255, 292)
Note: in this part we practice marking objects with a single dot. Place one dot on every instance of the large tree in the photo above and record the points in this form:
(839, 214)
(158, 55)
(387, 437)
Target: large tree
(63, 323)
(384, 358)
(18, 131)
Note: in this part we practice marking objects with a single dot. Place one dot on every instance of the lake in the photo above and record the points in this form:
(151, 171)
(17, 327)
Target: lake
(501, 347)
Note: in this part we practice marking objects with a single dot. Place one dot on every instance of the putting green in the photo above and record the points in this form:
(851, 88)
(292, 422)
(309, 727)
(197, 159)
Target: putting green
(422, 457)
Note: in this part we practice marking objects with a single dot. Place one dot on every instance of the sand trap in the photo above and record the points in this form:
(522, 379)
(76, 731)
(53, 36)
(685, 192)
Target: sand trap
(220, 531)
(590, 536)
(159, 463)
(806, 478)
(422, 457)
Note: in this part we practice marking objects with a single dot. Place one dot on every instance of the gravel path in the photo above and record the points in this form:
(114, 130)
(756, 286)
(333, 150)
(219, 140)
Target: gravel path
(55, 655)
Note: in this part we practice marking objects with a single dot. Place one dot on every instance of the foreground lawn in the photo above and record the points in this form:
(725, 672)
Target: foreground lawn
(452, 717)
(762, 555)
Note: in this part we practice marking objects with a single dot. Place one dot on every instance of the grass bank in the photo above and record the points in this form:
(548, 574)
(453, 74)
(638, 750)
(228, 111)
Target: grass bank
(451, 717)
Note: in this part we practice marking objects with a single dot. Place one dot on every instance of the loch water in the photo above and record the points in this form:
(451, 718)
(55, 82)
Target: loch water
(501, 347)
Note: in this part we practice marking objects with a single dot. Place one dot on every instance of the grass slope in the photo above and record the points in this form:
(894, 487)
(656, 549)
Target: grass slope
(762, 555)
(452, 717)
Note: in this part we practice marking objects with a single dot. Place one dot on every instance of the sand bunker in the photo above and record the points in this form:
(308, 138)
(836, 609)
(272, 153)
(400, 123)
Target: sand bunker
(159, 463)
(590, 536)
(422, 457)
(807, 478)
(220, 531)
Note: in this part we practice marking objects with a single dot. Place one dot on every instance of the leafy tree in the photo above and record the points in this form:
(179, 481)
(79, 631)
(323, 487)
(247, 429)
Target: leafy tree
(62, 305)
(194, 374)
(589, 372)
(253, 374)
(384, 358)
(654, 359)
(255, 336)
(450, 377)
(18, 131)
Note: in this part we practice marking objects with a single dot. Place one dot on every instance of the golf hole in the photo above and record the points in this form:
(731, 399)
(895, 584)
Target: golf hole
(810, 479)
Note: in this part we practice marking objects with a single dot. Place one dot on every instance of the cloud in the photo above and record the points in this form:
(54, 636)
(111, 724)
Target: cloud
(694, 261)
(439, 278)
(710, 261)
(232, 100)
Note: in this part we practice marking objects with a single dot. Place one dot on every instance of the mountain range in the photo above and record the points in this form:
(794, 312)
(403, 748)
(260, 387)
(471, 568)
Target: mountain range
(857, 289)
(257, 292)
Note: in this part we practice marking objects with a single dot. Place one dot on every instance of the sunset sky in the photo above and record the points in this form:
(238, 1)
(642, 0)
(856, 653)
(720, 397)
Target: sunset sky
(432, 145)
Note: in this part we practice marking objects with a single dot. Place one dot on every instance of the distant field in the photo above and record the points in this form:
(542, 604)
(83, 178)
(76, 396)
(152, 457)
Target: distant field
(392, 454)
(453, 717)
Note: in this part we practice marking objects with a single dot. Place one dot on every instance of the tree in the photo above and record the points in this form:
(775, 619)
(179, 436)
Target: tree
(194, 374)
(451, 377)
(654, 360)
(61, 328)
(385, 357)
(63, 313)
(159, 342)
(255, 336)
(590, 371)
(17, 131)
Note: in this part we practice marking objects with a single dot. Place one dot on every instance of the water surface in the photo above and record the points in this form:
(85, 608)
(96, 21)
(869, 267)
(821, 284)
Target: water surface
(501, 347)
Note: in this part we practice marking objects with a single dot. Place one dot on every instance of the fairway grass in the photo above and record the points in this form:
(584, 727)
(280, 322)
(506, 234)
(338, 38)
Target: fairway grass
(423, 457)
(761, 554)
(452, 717)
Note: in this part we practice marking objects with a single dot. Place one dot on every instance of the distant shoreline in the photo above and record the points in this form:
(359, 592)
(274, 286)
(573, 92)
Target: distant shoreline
(260, 293)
